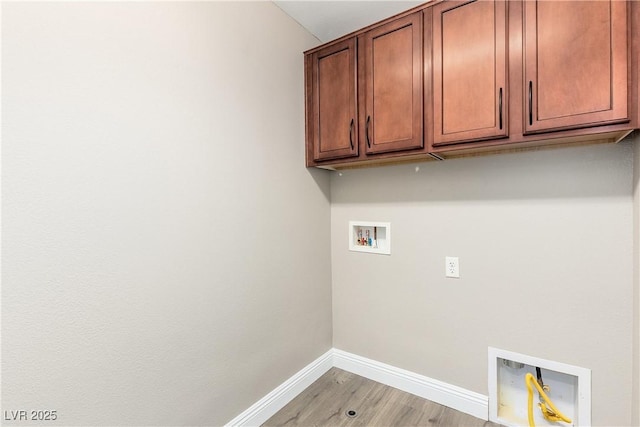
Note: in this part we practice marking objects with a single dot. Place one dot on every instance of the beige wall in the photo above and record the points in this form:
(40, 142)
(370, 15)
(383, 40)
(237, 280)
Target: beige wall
(545, 246)
(165, 252)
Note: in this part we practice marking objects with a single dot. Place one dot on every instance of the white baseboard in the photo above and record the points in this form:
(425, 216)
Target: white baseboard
(266, 407)
(454, 397)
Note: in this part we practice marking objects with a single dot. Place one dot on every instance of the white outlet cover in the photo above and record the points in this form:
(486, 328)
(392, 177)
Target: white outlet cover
(452, 267)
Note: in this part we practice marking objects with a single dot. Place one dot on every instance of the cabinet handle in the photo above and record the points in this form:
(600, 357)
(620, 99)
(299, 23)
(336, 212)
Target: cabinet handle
(367, 132)
(351, 134)
(500, 107)
(530, 103)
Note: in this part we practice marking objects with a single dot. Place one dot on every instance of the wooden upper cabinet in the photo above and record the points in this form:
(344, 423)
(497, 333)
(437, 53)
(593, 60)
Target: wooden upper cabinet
(470, 91)
(391, 84)
(575, 60)
(332, 121)
(449, 78)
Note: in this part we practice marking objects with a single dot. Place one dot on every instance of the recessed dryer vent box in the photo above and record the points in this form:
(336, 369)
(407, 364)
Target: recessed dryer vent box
(372, 237)
(569, 389)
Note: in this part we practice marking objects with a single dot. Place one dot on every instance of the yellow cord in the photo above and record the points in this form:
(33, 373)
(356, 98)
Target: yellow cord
(550, 413)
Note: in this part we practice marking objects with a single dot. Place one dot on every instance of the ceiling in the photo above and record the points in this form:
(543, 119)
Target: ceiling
(330, 19)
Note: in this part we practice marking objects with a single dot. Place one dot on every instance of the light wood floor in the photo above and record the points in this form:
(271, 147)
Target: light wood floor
(326, 402)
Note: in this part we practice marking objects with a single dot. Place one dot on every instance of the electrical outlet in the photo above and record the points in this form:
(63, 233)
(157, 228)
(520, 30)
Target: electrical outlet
(452, 267)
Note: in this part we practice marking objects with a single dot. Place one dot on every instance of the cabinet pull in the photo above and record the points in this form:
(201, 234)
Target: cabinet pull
(530, 103)
(367, 132)
(500, 107)
(351, 134)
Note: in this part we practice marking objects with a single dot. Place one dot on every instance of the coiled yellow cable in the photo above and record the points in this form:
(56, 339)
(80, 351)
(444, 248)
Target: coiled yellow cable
(550, 413)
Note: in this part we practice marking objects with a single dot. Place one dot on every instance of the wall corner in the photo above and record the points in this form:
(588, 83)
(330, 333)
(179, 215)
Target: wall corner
(636, 280)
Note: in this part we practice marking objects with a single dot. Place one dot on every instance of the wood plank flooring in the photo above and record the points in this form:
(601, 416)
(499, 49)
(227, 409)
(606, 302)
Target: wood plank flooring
(326, 402)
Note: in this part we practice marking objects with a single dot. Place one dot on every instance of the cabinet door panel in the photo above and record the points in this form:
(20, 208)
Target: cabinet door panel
(470, 71)
(334, 79)
(575, 64)
(393, 86)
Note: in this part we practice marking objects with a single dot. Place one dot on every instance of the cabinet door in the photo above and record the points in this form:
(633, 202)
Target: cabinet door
(333, 104)
(575, 64)
(469, 71)
(392, 86)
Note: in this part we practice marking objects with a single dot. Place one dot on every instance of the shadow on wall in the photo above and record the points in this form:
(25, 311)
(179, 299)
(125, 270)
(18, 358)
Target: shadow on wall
(631, 139)
(576, 172)
(322, 179)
